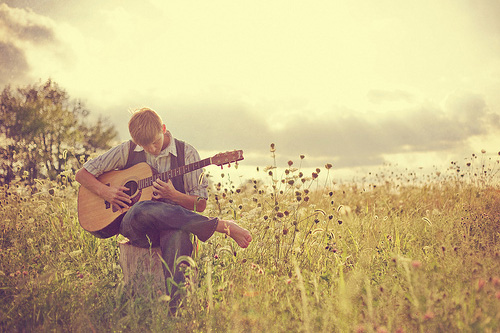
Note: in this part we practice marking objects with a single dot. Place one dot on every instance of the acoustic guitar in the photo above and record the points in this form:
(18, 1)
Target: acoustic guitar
(102, 219)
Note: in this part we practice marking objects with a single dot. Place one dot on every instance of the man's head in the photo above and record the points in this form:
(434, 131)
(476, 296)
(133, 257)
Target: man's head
(147, 130)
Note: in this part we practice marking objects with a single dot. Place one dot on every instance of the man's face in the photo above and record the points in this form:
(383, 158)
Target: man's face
(154, 148)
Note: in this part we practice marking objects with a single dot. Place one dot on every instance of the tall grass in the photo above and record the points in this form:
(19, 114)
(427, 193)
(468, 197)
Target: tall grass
(398, 254)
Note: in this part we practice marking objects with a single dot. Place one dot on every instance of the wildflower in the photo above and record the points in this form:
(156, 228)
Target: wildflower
(318, 170)
(302, 157)
(279, 214)
(314, 175)
(360, 329)
(428, 315)
(273, 149)
(480, 284)
(288, 281)
(328, 166)
(250, 293)
(416, 264)
(495, 281)
(339, 221)
(483, 151)
(285, 231)
(290, 163)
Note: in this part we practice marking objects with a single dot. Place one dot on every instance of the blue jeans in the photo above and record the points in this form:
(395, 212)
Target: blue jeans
(155, 223)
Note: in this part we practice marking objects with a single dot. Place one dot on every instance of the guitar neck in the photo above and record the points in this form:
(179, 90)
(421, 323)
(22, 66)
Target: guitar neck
(146, 182)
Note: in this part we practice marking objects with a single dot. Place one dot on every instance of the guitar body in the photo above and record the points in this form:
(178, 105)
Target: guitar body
(96, 215)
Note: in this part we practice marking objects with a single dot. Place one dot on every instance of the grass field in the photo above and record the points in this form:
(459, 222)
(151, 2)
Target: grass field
(398, 254)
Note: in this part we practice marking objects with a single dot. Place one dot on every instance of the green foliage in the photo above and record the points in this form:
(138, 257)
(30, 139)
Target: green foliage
(45, 132)
(391, 255)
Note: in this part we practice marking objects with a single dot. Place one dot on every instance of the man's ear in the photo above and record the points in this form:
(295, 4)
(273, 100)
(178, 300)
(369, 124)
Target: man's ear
(164, 128)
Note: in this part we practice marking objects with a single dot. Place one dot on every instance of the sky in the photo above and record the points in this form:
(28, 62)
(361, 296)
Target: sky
(353, 83)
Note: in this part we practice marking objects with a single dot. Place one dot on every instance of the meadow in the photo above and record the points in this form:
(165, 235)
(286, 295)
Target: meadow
(399, 253)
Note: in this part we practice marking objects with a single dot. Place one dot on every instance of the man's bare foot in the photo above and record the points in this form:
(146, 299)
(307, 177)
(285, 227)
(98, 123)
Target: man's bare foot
(240, 235)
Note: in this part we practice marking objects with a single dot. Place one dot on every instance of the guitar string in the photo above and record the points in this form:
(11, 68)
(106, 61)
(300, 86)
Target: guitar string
(148, 181)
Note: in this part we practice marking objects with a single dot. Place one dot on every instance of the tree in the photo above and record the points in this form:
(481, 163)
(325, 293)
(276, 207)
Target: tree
(45, 133)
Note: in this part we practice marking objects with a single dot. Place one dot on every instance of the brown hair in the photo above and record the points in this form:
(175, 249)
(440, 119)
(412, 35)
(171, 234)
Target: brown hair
(144, 126)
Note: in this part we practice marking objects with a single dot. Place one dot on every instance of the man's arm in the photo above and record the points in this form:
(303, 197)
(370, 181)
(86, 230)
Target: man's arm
(112, 194)
(166, 190)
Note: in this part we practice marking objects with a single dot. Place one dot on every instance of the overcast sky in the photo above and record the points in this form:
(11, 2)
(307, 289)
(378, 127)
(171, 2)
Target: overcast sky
(352, 83)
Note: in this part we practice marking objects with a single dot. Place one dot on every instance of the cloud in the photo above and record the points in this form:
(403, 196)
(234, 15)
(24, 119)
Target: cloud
(13, 64)
(20, 31)
(346, 141)
(25, 25)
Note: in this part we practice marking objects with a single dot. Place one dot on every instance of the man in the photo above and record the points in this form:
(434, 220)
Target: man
(167, 220)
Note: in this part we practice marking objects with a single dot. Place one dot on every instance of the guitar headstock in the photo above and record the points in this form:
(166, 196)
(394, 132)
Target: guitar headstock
(228, 157)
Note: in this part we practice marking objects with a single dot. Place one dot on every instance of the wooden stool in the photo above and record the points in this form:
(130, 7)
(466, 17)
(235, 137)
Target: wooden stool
(142, 268)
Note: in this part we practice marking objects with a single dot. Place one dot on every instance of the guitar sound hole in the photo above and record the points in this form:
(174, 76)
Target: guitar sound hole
(132, 187)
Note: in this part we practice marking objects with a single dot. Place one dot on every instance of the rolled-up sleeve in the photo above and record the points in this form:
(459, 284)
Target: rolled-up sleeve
(113, 159)
(195, 182)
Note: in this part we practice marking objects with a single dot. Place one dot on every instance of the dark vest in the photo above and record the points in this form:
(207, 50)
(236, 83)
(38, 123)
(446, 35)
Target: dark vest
(135, 157)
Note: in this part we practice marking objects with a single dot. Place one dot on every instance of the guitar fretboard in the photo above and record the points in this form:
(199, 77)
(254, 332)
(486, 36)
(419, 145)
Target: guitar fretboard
(146, 182)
